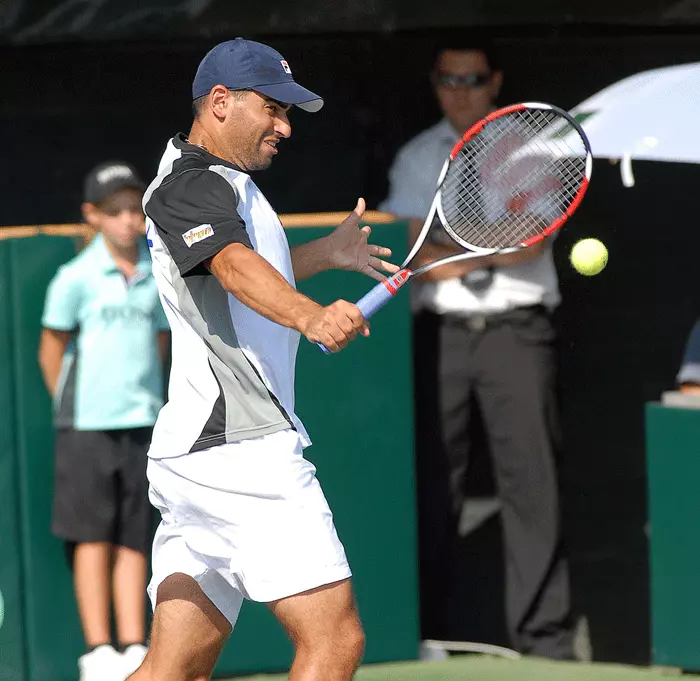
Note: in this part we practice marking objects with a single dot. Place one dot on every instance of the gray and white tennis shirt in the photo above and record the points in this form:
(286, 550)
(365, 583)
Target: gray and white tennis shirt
(232, 374)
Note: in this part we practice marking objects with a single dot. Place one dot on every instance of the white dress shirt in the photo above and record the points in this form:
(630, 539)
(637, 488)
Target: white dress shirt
(412, 182)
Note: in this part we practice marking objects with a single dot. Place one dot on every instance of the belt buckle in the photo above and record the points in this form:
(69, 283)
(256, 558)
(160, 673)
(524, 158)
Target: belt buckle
(476, 322)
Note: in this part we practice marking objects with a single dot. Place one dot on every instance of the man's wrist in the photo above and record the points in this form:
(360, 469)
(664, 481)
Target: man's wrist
(307, 310)
(327, 253)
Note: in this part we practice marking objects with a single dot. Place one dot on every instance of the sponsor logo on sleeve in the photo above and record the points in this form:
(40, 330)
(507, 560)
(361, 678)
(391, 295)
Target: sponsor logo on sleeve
(197, 234)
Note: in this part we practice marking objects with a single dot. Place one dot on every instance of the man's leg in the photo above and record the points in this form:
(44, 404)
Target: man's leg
(325, 628)
(129, 588)
(187, 635)
(517, 398)
(91, 576)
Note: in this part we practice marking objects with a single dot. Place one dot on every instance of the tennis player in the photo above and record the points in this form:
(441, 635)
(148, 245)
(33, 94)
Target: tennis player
(243, 515)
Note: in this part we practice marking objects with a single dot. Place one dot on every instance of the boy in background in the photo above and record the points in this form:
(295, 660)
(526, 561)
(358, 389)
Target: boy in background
(101, 353)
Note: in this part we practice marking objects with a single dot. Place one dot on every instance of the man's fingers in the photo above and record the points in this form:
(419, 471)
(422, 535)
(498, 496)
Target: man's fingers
(373, 274)
(360, 207)
(383, 265)
(383, 251)
(341, 323)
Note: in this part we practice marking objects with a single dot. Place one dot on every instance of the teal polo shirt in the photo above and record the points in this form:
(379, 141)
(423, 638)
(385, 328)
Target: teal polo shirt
(111, 377)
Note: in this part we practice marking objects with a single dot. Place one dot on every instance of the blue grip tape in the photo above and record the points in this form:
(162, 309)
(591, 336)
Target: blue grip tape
(378, 297)
(374, 300)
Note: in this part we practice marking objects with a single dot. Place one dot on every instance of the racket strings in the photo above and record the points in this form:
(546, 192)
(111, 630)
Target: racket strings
(511, 181)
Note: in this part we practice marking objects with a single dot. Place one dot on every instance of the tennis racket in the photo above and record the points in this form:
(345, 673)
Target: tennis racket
(514, 178)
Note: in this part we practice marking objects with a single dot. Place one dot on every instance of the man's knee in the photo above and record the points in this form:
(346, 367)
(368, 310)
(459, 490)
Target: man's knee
(355, 641)
(346, 641)
(190, 670)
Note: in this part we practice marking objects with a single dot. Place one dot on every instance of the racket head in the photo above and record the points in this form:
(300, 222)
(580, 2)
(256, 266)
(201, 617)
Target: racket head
(514, 178)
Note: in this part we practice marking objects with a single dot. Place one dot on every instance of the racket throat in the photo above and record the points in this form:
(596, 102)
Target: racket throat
(396, 281)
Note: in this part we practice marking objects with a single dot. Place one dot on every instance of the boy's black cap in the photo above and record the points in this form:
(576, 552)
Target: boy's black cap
(110, 177)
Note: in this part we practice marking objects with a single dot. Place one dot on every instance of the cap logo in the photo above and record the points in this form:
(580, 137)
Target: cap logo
(286, 68)
(112, 173)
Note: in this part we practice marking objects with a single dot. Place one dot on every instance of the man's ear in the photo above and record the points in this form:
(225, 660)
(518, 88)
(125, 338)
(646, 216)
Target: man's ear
(219, 101)
(496, 83)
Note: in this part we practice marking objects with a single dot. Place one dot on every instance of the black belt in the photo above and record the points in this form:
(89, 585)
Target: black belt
(479, 321)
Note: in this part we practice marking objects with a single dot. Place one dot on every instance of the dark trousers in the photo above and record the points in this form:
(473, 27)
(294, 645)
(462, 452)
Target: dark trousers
(508, 366)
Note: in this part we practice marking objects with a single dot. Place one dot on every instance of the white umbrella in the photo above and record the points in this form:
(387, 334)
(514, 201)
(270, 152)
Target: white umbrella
(651, 116)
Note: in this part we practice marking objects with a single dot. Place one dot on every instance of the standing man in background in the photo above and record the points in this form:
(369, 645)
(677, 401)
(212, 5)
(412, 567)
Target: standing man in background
(102, 346)
(486, 325)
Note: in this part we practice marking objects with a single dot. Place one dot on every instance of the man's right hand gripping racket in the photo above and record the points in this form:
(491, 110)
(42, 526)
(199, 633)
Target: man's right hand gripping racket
(513, 179)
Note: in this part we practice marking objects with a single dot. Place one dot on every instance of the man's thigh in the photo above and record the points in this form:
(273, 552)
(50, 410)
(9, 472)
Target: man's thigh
(187, 635)
(319, 615)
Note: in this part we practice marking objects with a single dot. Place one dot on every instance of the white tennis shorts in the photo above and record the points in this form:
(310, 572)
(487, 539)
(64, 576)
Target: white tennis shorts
(245, 520)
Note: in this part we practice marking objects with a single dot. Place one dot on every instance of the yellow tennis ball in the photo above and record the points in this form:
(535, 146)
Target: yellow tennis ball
(589, 256)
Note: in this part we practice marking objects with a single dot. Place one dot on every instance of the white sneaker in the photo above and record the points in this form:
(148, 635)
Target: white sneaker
(132, 658)
(101, 664)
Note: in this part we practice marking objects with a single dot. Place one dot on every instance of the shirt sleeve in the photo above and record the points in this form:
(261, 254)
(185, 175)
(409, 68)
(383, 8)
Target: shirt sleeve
(410, 192)
(195, 216)
(690, 368)
(63, 301)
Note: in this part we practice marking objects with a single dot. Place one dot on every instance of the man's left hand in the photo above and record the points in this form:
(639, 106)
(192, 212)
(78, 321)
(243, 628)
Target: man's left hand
(349, 249)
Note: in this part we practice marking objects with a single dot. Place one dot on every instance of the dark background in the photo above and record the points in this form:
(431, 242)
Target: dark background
(71, 96)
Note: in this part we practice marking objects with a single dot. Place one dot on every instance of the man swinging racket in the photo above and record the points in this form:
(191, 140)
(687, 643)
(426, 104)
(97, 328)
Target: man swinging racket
(243, 515)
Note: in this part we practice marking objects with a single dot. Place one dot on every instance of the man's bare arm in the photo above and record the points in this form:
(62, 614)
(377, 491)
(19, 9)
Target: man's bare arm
(346, 248)
(310, 258)
(251, 279)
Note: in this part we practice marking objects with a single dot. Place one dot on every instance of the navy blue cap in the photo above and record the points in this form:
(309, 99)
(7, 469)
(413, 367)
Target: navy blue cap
(246, 65)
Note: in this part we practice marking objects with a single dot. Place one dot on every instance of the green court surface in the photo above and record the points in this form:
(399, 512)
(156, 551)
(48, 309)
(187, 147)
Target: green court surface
(483, 668)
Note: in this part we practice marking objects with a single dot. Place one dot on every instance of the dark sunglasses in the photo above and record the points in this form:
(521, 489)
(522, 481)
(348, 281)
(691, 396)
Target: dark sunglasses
(473, 80)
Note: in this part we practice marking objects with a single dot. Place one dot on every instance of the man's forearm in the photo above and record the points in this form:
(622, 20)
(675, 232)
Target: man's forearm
(311, 258)
(257, 284)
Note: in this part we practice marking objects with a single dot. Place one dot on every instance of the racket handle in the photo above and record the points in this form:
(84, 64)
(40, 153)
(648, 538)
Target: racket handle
(376, 298)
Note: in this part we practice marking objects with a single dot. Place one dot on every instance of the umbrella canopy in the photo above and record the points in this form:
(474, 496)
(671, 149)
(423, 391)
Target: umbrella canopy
(653, 116)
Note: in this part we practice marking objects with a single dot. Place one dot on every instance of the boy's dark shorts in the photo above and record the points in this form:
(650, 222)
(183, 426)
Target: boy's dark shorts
(101, 490)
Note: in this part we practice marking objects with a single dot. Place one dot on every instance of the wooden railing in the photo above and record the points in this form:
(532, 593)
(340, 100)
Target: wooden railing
(290, 220)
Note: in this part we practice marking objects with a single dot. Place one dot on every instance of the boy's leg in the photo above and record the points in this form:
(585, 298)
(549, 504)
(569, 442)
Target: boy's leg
(129, 589)
(134, 536)
(187, 635)
(84, 510)
(91, 576)
(325, 628)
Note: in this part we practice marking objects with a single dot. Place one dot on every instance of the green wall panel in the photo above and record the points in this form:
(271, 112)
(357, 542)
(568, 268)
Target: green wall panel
(358, 409)
(673, 472)
(53, 636)
(12, 657)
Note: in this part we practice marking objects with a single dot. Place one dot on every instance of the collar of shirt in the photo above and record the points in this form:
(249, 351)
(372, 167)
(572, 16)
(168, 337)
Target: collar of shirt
(446, 133)
(108, 266)
(181, 142)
